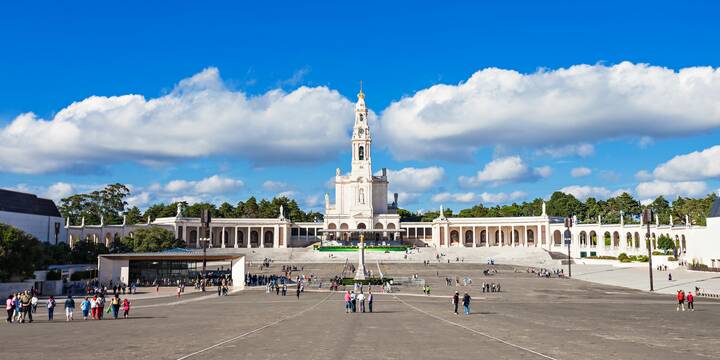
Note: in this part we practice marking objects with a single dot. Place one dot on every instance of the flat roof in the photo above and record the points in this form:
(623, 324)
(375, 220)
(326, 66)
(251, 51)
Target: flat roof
(184, 254)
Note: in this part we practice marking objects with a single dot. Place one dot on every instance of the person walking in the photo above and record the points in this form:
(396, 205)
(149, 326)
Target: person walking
(85, 308)
(34, 303)
(691, 301)
(347, 299)
(352, 300)
(93, 307)
(126, 308)
(10, 308)
(69, 308)
(361, 300)
(466, 303)
(25, 306)
(100, 306)
(456, 302)
(115, 306)
(681, 300)
(51, 308)
(370, 300)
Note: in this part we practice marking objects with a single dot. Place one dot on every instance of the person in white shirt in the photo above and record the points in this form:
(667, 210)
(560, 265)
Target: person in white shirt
(361, 300)
(34, 303)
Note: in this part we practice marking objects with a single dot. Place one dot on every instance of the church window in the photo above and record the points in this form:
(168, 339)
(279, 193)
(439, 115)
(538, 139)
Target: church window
(361, 153)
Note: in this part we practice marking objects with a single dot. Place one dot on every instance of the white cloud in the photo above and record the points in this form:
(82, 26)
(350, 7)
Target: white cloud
(670, 189)
(582, 150)
(59, 190)
(405, 198)
(503, 170)
(412, 179)
(696, 165)
(643, 175)
(583, 192)
(288, 194)
(576, 105)
(271, 185)
(140, 199)
(580, 172)
(199, 117)
(312, 200)
(467, 197)
(215, 184)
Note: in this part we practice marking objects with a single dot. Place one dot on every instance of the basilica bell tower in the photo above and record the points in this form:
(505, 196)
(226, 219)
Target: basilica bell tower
(361, 140)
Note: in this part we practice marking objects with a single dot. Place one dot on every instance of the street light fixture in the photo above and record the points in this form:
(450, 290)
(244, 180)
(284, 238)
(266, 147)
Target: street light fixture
(205, 219)
(568, 241)
(647, 218)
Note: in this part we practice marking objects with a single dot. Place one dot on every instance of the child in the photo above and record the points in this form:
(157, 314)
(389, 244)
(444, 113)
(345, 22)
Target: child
(85, 307)
(126, 308)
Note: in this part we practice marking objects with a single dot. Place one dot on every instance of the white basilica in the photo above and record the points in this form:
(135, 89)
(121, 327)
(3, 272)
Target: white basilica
(360, 197)
(361, 207)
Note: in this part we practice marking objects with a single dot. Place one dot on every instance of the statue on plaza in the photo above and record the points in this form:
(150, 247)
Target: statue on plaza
(281, 216)
(179, 210)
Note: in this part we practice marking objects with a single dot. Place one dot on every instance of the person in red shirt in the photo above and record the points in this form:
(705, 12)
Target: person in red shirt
(691, 301)
(681, 300)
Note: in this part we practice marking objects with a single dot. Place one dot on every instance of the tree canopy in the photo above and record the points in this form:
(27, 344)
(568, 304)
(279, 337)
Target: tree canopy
(562, 204)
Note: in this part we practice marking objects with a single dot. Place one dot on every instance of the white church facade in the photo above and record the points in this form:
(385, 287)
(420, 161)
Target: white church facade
(361, 207)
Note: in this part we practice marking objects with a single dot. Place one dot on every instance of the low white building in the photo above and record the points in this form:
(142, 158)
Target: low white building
(33, 215)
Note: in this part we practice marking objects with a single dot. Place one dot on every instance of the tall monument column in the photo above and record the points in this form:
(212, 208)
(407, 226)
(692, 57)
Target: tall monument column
(360, 273)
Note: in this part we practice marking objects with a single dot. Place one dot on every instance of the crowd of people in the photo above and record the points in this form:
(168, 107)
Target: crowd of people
(21, 306)
(355, 301)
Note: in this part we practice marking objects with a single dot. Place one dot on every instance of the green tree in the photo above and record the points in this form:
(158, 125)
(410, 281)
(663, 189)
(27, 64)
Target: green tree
(662, 208)
(20, 253)
(86, 252)
(108, 203)
(665, 242)
(561, 204)
(151, 239)
(226, 211)
(134, 216)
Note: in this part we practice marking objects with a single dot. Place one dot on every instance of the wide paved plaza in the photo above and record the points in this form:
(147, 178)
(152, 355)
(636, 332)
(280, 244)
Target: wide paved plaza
(532, 318)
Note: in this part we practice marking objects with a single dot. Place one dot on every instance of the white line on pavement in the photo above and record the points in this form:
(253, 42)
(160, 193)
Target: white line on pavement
(477, 332)
(255, 330)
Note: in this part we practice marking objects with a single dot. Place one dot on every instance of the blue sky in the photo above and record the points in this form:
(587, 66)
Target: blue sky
(240, 99)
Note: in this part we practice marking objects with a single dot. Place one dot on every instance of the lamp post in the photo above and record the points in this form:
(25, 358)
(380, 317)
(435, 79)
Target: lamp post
(647, 218)
(205, 219)
(568, 241)
(57, 232)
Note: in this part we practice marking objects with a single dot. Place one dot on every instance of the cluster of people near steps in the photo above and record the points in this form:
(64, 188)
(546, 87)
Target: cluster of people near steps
(355, 302)
(546, 273)
(20, 307)
(466, 281)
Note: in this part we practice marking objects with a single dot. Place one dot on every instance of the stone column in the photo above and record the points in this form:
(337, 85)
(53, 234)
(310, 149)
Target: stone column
(461, 237)
(512, 235)
(248, 236)
(222, 236)
(197, 238)
(236, 237)
(487, 236)
(276, 237)
(262, 237)
(475, 239)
